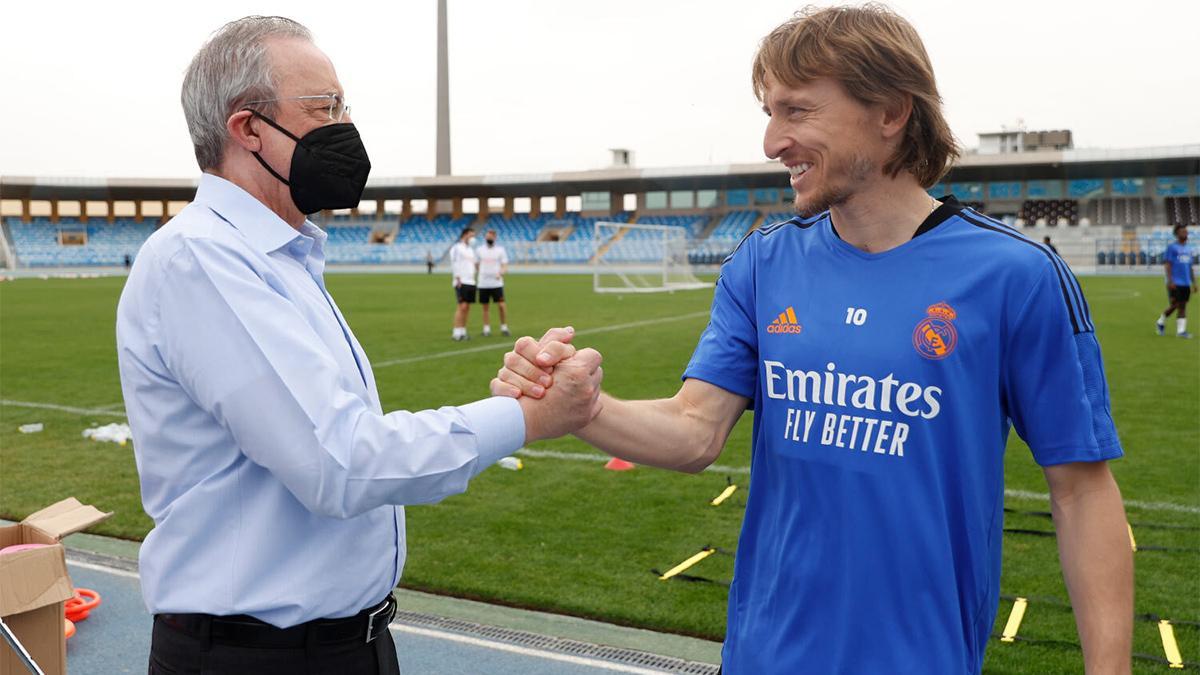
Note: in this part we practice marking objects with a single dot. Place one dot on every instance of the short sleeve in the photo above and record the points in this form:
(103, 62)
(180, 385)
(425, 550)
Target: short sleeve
(727, 354)
(1055, 390)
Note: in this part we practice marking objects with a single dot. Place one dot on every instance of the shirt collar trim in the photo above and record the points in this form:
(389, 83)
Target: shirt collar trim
(261, 226)
(948, 207)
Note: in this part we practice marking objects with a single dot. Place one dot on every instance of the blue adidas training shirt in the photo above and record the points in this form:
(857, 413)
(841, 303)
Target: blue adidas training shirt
(1179, 257)
(883, 388)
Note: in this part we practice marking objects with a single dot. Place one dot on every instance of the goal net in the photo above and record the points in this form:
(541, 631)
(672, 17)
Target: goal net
(629, 258)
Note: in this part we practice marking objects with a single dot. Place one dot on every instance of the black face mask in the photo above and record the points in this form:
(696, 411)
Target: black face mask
(329, 167)
(490, 242)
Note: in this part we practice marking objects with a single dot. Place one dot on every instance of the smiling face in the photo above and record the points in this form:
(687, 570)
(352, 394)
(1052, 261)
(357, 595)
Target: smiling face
(830, 77)
(831, 144)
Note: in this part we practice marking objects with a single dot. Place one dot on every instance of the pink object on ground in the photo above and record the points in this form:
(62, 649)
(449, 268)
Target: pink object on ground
(617, 464)
(21, 547)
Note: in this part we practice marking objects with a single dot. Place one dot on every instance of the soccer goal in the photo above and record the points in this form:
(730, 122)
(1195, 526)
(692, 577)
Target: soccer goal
(630, 258)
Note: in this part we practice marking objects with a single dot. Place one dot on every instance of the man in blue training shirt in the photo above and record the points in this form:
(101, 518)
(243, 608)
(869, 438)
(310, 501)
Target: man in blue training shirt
(886, 342)
(1180, 279)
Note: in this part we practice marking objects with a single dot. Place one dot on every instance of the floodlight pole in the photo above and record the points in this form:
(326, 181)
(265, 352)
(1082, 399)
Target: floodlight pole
(443, 94)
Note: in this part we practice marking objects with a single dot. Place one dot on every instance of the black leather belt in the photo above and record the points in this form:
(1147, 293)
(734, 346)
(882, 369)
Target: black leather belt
(246, 631)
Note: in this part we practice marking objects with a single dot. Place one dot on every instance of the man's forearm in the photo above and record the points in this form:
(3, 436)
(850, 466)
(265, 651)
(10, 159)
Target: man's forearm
(662, 433)
(1097, 563)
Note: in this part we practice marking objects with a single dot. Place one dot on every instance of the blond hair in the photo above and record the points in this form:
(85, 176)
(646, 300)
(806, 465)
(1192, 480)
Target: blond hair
(879, 59)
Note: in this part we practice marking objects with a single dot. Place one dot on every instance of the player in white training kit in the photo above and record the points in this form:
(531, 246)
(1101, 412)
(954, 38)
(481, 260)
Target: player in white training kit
(493, 265)
(463, 264)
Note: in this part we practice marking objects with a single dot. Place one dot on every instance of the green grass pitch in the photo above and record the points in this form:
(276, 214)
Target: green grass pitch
(566, 536)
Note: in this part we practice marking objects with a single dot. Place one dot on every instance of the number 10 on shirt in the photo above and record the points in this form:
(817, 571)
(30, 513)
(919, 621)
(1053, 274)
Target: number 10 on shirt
(856, 316)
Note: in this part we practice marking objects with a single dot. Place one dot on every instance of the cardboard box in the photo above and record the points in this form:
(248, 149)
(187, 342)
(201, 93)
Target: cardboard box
(34, 584)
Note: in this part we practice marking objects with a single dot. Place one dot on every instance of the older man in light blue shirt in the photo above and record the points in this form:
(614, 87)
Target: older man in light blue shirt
(273, 476)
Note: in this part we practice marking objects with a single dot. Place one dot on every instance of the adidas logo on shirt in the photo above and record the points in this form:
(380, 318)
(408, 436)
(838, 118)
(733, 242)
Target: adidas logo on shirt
(785, 323)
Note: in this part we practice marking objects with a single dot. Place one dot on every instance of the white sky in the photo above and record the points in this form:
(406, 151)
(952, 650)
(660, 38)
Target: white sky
(92, 88)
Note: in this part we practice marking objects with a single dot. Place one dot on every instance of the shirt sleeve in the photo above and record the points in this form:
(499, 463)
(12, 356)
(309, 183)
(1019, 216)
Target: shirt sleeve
(1055, 390)
(244, 353)
(503, 256)
(727, 354)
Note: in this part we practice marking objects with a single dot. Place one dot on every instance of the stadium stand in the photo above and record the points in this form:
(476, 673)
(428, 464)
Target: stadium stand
(350, 240)
(1050, 212)
(39, 243)
(693, 224)
(1120, 211)
(733, 226)
(1122, 234)
(1182, 210)
(521, 227)
(1135, 248)
(1128, 201)
(442, 229)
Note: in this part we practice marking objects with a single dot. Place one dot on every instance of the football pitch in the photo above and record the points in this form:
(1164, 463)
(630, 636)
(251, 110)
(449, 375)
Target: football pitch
(564, 535)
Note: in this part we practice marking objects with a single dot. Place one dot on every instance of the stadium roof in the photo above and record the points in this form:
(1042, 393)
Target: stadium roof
(971, 167)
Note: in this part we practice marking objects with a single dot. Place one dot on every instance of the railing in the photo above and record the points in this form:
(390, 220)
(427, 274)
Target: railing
(1133, 251)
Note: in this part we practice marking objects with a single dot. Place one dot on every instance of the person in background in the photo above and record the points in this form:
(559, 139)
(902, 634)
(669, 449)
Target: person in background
(1177, 262)
(493, 265)
(463, 266)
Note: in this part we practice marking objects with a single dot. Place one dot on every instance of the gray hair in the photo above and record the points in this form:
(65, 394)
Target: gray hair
(229, 70)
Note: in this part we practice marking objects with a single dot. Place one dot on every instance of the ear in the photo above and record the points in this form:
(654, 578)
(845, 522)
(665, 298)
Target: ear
(241, 131)
(895, 116)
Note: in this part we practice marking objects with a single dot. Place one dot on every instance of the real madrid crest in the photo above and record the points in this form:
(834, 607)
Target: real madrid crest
(935, 336)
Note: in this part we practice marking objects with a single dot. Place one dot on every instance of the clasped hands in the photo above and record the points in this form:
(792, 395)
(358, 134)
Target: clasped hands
(557, 386)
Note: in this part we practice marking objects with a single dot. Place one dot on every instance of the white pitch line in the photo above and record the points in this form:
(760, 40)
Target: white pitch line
(1132, 503)
(444, 635)
(592, 457)
(523, 651)
(1117, 294)
(717, 468)
(116, 407)
(63, 408)
(105, 568)
(506, 345)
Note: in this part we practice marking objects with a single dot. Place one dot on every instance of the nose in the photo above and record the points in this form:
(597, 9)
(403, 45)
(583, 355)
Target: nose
(775, 142)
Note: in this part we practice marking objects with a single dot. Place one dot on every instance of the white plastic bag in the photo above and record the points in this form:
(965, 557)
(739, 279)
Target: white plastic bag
(113, 433)
(511, 463)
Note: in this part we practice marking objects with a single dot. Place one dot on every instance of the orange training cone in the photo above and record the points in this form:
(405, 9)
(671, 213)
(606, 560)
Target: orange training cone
(617, 464)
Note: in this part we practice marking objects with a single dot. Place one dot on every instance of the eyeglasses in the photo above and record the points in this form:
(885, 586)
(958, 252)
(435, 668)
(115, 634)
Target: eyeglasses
(337, 109)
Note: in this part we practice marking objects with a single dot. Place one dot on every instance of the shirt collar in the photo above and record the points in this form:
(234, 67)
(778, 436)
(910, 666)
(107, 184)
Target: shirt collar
(261, 226)
(948, 207)
(309, 247)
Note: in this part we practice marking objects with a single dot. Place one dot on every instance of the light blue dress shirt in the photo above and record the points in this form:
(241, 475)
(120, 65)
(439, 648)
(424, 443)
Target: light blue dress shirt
(266, 462)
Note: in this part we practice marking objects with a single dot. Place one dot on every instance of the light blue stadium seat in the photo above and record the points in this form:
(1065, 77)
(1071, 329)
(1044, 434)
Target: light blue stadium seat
(36, 242)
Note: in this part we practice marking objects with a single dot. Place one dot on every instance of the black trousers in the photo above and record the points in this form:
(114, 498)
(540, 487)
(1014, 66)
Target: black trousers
(173, 652)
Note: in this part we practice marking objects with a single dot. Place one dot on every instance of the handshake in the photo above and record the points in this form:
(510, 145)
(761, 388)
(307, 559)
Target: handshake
(557, 386)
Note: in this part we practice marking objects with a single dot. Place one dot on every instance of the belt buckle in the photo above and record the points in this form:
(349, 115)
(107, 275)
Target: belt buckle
(387, 607)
